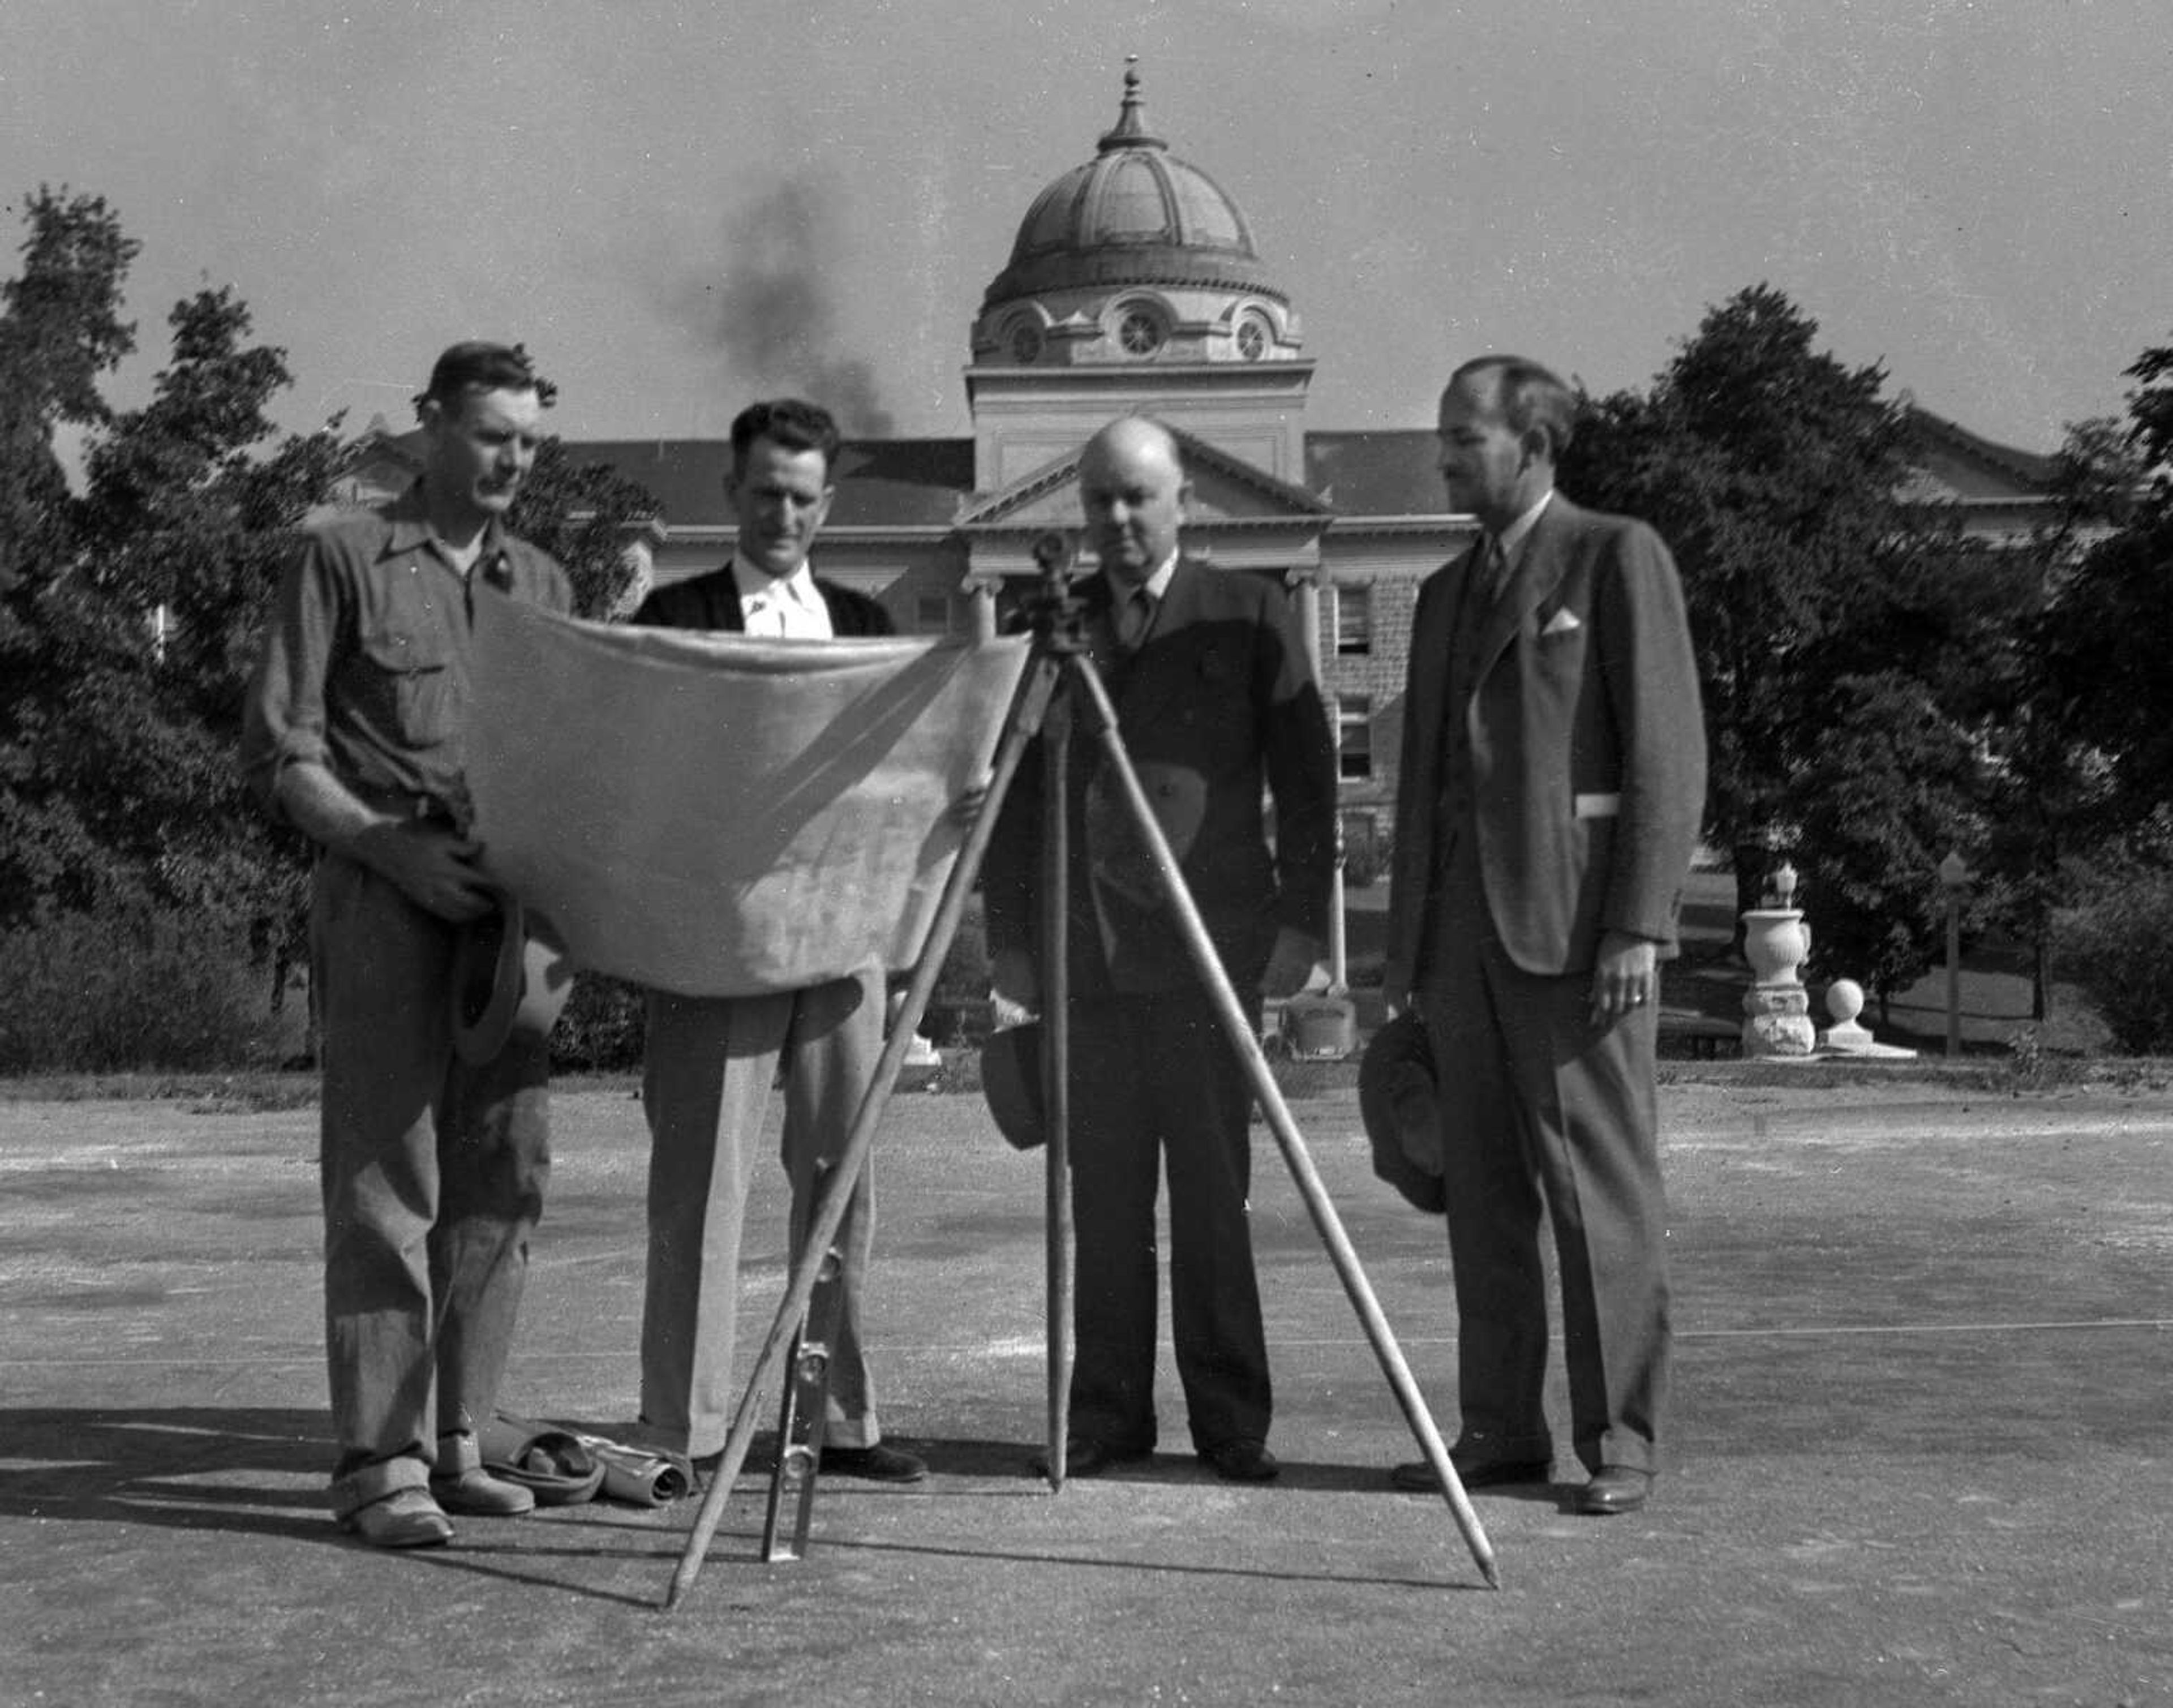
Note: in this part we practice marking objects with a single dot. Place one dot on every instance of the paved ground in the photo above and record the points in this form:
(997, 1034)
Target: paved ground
(1923, 1434)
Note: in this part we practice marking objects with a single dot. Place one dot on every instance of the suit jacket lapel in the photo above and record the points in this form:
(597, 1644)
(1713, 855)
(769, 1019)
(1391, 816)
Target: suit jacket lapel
(1151, 676)
(731, 618)
(1538, 570)
(1426, 719)
(843, 621)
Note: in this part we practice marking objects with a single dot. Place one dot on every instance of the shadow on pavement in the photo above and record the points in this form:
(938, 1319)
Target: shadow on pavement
(190, 1467)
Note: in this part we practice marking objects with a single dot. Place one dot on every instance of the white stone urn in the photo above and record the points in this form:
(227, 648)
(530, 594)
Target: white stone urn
(1777, 941)
(1776, 1008)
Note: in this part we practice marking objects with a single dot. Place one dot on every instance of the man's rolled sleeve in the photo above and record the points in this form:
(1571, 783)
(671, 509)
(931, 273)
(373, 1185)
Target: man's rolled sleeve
(284, 722)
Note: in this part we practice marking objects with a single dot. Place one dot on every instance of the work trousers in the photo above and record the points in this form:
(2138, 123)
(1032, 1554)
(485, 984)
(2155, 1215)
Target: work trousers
(1155, 1084)
(1542, 1112)
(433, 1176)
(711, 1064)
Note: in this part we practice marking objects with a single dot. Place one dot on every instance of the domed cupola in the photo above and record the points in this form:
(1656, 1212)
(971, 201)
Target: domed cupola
(1136, 256)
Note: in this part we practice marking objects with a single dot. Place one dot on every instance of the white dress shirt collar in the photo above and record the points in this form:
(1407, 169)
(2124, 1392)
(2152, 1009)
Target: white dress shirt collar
(782, 607)
(1517, 531)
(1156, 584)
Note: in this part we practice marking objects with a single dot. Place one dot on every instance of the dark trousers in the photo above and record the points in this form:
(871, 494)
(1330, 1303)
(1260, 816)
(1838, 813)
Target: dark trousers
(1542, 1112)
(433, 1176)
(1155, 1084)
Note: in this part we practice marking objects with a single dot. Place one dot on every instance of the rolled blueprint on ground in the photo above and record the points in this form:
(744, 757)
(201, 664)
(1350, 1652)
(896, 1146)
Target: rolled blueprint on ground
(717, 816)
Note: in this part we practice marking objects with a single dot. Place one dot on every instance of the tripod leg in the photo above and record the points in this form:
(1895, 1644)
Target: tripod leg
(1024, 720)
(1056, 1069)
(1321, 1209)
(803, 1412)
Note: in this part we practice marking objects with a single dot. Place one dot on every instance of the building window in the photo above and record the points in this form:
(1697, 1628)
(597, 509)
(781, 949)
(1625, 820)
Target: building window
(1139, 332)
(1354, 619)
(1354, 737)
(1024, 343)
(1252, 338)
(931, 613)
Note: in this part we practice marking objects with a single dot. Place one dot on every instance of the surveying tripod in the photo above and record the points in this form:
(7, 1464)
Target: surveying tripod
(1061, 690)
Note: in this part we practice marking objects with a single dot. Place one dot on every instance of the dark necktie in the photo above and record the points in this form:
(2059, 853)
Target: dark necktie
(1497, 567)
(1135, 615)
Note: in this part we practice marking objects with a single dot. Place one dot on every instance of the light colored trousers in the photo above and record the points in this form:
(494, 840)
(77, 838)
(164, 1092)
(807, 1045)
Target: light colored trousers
(711, 1062)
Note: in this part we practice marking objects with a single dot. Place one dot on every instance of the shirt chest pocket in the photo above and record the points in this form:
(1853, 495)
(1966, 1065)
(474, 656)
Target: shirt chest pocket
(407, 684)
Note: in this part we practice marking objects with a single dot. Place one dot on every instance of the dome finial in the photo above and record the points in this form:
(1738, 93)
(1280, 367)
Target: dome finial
(1131, 131)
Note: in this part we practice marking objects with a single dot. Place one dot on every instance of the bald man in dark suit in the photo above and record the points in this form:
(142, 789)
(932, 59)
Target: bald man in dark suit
(1214, 698)
(1552, 784)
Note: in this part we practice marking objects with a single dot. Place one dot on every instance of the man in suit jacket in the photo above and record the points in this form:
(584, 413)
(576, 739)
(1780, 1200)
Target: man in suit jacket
(710, 1061)
(1552, 784)
(1214, 696)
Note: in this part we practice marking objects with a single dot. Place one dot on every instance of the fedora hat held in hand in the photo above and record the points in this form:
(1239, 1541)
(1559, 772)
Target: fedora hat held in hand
(1397, 1101)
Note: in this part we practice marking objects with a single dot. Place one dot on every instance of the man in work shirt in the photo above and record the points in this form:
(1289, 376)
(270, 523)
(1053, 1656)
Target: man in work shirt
(433, 1170)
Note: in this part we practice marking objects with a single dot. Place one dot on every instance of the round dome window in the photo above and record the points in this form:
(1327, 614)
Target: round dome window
(1139, 332)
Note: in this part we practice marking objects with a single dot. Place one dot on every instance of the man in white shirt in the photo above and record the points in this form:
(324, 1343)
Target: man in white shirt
(711, 1062)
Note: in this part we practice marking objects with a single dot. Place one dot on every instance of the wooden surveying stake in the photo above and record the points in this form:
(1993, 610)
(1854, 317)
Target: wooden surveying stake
(1060, 685)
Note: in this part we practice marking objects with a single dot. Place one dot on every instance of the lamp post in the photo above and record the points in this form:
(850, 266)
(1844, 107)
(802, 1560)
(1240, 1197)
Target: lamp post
(1955, 876)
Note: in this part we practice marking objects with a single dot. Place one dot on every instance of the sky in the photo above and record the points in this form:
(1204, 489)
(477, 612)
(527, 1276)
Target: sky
(1977, 194)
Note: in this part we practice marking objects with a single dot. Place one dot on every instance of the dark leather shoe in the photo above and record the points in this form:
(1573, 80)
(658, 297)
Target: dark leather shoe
(477, 1494)
(1615, 1488)
(1089, 1456)
(405, 1518)
(880, 1463)
(1417, 1477)
(1242, 1461)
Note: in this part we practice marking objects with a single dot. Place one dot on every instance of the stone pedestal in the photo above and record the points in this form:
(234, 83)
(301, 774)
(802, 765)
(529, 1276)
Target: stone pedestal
(1776, 1008)
(1847, 1037)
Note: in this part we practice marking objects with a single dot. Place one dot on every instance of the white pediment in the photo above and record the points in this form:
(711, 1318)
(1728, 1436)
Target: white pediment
(1225, 490)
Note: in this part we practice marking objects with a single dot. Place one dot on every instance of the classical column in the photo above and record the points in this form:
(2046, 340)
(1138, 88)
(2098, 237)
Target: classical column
(980, 588)
(1306, 582)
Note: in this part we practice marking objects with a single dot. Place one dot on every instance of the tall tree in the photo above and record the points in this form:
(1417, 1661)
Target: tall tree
(1772, 471)
(1821, 600)
(1892, 787)
(2109, 632)
(2050, 796)
(61, 330)
(590, 517)
(190, 506)
(125, 639)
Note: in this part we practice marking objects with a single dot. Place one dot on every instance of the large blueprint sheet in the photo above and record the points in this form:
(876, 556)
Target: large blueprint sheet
(721, 817)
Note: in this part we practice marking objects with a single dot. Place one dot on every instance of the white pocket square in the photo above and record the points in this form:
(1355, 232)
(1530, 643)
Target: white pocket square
(1563, 622)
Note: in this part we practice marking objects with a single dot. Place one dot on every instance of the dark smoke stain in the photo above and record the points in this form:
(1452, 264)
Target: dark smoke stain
(774, 313)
